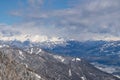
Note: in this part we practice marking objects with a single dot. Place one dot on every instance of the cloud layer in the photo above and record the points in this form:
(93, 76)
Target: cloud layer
(80, 20)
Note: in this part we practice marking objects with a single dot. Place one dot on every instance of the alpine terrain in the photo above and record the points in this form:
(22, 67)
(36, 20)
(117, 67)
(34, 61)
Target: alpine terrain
(33, 63)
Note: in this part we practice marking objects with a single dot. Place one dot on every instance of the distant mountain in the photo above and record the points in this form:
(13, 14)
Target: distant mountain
(28, 37)
(104, 55)
(33, 63)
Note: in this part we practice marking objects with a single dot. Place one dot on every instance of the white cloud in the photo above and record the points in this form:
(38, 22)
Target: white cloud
(86, 19)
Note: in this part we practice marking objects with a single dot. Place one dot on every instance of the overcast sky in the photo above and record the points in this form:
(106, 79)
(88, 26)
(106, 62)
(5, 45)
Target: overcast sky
(71, 19)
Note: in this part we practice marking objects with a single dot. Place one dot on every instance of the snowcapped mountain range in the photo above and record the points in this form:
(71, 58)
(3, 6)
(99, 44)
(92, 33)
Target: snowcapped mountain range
(32, 38)
(102, 54)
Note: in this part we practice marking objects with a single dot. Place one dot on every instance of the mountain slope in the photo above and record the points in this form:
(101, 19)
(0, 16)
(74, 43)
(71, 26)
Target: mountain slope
(11, 70)
(105, 55)
(54, 67)
(102, 54)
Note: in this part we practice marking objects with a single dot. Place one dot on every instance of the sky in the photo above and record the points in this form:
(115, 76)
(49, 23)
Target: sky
(69, 19)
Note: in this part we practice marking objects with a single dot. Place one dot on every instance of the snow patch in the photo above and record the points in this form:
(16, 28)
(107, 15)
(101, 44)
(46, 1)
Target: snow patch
(31, 51)
(21, 55)
(26, 65)
(40, 50)
(76, 59)
(70, 73)
(117, 76)
(20, 52)
(83, 78)
(38, 76)
(62, 59)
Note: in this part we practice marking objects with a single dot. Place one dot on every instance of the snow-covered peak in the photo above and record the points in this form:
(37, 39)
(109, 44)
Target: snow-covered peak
(32, 38)
(56, 39)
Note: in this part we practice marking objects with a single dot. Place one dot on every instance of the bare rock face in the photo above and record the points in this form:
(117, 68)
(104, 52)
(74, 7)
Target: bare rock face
(36, 64)
(11, 70)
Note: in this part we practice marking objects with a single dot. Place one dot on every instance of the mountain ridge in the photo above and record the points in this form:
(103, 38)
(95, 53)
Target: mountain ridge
(55, 67)
(101, 54)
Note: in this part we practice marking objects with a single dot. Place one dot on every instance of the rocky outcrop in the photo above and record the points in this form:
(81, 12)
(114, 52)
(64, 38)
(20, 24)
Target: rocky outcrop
(11, 70)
